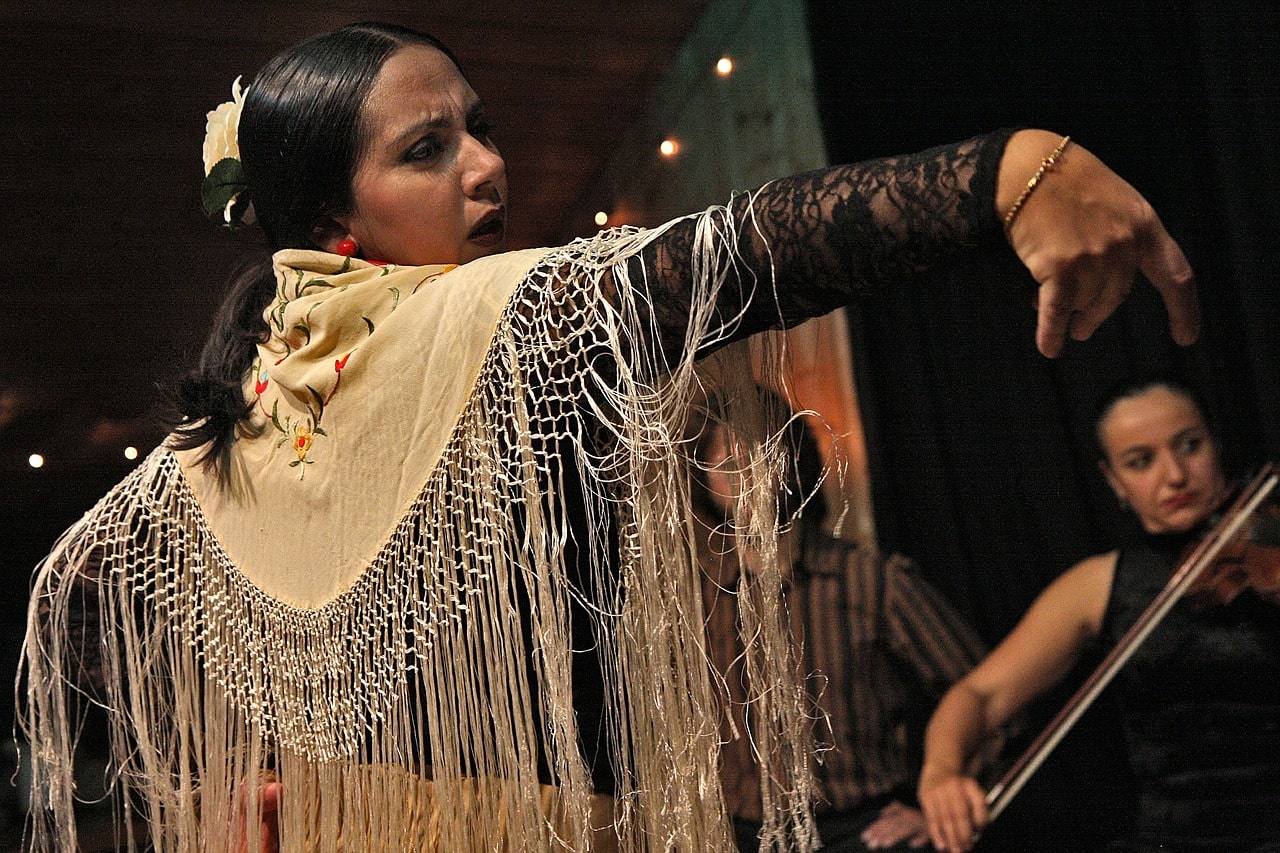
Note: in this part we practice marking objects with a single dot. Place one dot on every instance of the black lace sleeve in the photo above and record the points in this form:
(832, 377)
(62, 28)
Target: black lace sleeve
(833, 235)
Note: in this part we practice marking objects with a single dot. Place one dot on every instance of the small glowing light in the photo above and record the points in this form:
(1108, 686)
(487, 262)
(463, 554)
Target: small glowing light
(602, 218)
(724, 67)
(35, 460)
(669, 147)
(131, 452)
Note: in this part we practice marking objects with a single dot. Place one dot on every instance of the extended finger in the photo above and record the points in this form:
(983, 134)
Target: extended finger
(1117, 280)
(1166, 267)
(270, 826)
(978, 812)
(933, 823)
(889, 829)
(957, 829)
(1053, 315)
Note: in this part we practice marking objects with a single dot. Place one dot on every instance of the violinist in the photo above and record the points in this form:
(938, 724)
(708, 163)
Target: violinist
(1200, 697)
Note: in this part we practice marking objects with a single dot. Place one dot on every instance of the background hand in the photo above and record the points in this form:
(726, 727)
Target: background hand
(896, 824)
(268, 833)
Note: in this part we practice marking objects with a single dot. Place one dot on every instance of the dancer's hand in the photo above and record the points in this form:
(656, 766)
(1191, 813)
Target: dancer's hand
(1084, 234)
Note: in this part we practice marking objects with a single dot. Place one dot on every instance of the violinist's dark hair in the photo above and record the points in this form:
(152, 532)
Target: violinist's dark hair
(300, 138)
(1136, 386)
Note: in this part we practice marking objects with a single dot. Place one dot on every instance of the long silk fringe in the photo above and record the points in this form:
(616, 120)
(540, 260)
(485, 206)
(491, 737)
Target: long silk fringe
(404, 714)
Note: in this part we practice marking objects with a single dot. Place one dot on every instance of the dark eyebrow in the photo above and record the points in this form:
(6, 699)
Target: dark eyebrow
(418, 128)
(1134, 450)
(437, 123)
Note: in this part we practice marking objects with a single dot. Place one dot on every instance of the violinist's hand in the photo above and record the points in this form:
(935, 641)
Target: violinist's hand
(898, 823)
(955, 809)
(1084, 234)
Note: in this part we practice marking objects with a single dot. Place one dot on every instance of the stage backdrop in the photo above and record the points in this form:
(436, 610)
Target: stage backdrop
(981, 463)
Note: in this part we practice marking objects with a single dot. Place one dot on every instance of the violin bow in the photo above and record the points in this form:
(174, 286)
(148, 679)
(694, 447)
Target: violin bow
(1188, 571)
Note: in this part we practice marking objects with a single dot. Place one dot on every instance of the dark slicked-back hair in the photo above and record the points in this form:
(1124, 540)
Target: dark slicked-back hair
(300, 136)
(301, 132)
(1136, 386)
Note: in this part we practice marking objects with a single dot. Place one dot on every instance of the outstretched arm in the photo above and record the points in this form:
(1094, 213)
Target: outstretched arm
(831, 236)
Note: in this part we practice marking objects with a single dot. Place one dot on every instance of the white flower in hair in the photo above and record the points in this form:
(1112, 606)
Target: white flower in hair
(224, 176)
(221, 129)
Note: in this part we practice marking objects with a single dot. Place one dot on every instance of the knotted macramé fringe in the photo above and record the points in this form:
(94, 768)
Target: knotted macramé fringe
(412, 711)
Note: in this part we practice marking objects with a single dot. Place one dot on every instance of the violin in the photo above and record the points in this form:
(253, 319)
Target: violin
(1251, 560)
(1241, 551)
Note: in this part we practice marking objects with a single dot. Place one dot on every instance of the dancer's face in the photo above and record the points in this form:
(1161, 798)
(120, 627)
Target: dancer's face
(430, 186)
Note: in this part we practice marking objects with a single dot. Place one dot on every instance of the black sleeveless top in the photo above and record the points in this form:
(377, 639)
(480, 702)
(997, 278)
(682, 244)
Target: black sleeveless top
(1201, 704)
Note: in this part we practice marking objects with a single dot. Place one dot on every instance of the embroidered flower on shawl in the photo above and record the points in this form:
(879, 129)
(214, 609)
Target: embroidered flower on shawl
(299, 432)
(326, 307)
(435, 275)
(302, 438)
(224, 180)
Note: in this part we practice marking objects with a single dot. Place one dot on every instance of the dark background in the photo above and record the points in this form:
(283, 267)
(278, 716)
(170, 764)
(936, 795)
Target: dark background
(979, 446)
(981, 455)
(111, 270)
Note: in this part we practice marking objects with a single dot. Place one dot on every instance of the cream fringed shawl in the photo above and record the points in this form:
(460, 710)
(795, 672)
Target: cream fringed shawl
(376, 609)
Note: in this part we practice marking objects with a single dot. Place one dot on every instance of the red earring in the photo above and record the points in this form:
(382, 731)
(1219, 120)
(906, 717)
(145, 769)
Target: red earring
(346, 247)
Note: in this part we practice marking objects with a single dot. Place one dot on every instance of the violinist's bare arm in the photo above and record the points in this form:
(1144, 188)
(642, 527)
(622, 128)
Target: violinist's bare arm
(1033, 658)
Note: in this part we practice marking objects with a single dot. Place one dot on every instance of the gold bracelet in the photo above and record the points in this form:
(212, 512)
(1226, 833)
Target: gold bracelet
(1046, 166)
